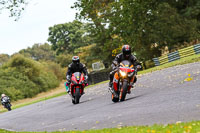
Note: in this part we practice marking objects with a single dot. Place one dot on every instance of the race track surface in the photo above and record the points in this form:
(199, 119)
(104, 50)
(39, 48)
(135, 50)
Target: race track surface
(159, 97)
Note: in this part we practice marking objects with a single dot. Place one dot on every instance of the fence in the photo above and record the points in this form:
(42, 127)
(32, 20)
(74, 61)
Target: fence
(181, 53)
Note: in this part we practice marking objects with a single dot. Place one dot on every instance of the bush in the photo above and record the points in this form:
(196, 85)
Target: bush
(57, 70)
(149, 64)
(23, 77)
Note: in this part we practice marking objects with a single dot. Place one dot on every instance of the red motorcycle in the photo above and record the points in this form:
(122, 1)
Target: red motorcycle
(77, 87)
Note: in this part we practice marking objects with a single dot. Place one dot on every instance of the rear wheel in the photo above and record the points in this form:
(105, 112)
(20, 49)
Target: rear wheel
(123, 91)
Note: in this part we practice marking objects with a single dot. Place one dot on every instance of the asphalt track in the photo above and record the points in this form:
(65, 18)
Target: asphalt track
(160, 97)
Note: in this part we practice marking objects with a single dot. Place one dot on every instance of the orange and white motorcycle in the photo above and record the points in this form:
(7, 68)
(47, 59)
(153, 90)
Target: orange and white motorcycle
(123, 81)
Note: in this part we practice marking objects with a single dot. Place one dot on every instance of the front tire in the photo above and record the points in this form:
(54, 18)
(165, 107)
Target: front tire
(77, 96)
(8, 106)
(123, 91)
(73, 101)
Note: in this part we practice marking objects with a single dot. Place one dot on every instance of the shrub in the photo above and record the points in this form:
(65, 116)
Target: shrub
(23, 77)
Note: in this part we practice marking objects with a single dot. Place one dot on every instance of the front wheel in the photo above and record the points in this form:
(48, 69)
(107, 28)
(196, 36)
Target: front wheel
(123, 91)
(77, 96)
(8, 106)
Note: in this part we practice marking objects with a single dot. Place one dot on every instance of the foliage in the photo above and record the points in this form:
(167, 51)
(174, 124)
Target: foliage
(85, 55)
(116, 51)
(55, 68)
(23, 77)
(64, 59)
(65, 38)
(39, 52)
(14, 6)
(4, 58)
(148, 26)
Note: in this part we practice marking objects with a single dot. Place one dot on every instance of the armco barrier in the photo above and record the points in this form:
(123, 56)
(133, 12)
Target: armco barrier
(197, 48)
(181, 53)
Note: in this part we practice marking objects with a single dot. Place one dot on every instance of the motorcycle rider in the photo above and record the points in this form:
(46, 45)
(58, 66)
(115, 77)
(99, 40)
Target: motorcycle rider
(2, 96)
(125, 55)
(76, 66)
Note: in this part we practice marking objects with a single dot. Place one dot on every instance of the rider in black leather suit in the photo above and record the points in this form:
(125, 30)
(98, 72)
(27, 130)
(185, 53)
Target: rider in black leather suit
(76, 66)
(125, 55)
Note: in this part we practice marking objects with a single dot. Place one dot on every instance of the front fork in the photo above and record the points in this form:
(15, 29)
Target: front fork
(118, 85)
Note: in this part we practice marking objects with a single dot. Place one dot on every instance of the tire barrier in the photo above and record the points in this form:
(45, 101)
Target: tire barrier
(181, 53)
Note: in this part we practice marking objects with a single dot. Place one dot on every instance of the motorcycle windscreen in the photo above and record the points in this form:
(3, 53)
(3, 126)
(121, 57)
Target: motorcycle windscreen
(126, 63)
(77, 75)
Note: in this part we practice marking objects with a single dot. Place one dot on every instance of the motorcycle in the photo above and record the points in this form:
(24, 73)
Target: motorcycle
(77, 87)
(6, 103)
(123, 81)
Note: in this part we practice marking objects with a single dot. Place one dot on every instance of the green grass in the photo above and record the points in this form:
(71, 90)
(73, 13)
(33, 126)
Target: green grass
(190, 127)
(186, 60)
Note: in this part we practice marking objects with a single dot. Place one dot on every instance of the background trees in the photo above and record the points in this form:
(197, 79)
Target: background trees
(4, 58)
(39, 52)
(14, 6)
(148, 26)
(65, 38)
(23, 77)
(68, 39)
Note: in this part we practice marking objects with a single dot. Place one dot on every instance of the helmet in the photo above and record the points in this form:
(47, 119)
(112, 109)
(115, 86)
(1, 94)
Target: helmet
(126, 50)
(76, 60)
(3, 95)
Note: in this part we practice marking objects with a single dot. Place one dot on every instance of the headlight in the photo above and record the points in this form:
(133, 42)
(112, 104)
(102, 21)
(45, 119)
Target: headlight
(122, 73)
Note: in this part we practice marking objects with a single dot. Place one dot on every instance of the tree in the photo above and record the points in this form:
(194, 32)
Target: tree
(4, 58)
(39, 52)
(14, 6)
(64, 59)
(116, 22)
(65, 38)
(142, 24)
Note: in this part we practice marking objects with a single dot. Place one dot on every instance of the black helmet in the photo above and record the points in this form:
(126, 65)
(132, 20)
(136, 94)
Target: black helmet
(75, 60)
(126, 50)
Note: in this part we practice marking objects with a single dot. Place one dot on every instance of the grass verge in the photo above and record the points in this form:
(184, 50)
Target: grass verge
(178, 127)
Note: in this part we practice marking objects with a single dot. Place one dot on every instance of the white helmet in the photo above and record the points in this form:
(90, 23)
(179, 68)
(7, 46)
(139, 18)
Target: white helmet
(3, 95)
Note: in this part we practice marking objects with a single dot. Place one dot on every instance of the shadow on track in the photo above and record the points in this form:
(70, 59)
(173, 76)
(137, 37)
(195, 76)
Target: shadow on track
(134, 97)
(85, 101)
